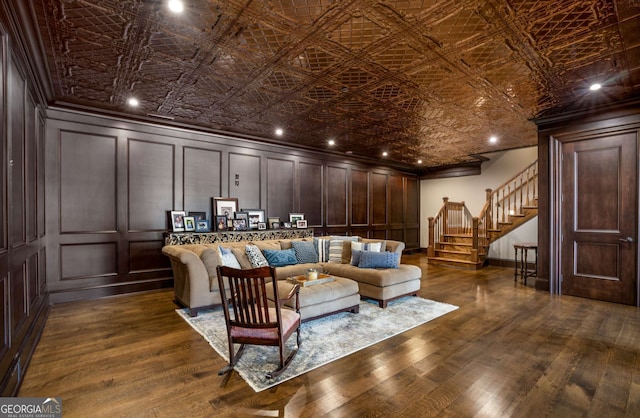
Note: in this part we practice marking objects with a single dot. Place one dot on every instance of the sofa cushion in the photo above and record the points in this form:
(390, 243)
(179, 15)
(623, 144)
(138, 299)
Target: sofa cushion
(375, 277)
(305, 251)
(267, 245)
(230, 260)
(255, 256)
(375, 260)
(280, 258)
(242, 257)
(356, 247)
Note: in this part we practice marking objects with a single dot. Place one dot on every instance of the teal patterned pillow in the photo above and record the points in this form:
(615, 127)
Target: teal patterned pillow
(280, 258)
(376, 260)
(305, 251)
(255, 256)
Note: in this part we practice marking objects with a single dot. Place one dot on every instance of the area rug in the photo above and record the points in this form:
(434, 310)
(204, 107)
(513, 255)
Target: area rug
(323, 340)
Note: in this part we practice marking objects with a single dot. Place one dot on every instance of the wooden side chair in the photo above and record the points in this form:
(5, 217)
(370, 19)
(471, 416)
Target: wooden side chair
(250, 319)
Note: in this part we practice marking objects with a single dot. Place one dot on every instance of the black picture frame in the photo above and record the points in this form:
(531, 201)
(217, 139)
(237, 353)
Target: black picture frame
(239, 224)
(221, 223)
(177, 220)
(254, 216)
(198, 216)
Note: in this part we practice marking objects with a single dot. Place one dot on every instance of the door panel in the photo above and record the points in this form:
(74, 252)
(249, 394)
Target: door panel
(599, 238)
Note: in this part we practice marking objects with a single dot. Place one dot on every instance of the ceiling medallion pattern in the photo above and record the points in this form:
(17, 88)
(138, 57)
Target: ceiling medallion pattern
(422, 79)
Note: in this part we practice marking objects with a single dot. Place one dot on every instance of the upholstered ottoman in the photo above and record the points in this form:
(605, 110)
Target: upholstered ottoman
(340, 295)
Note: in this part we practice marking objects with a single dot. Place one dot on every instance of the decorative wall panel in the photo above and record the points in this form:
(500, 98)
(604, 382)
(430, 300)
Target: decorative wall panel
(146, 256)
(151, 184)
(396, 200)
(31, 138)
(336, 196)
(79, 261)
(88, 171)
(4, 318)
(16, 88)
(18, 296)
(280, 191)
(311, 190)
(202, 171)
(32, 273)
(378, 198)
(244, 180)
(359, 197)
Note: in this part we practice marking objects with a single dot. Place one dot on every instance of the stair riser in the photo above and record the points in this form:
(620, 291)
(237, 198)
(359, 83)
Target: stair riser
(454, 246)
(455, 256)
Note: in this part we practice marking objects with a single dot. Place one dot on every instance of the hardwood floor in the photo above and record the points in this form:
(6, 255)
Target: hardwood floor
(508, 351)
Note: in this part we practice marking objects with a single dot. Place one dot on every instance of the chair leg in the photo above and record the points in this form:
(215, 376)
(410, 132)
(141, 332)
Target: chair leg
(285, 363)
(233, 359)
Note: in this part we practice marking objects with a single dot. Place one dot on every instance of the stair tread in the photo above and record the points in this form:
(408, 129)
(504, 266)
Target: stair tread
(454, 251)
(453, 260)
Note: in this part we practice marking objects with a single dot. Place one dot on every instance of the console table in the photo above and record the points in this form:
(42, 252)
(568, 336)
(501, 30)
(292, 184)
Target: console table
(181, 238)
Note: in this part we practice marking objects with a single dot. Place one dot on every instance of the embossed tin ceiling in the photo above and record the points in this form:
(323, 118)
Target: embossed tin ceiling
(421, 79)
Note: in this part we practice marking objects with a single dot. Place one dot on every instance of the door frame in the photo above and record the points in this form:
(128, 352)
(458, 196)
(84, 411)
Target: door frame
(555, 196)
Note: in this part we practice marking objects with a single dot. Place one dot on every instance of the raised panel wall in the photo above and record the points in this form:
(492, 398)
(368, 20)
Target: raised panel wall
(202, 178)
(16, 87)
(244, 180)
(359, 197)
(378, 199)
(280, 191)
(88, 170)
(311, 187)
(336, 197)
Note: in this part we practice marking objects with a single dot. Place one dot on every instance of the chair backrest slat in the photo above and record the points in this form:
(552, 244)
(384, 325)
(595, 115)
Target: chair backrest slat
(248, 297)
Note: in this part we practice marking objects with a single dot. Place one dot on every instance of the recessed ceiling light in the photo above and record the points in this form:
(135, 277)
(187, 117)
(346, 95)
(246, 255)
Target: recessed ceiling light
(419, 161)
(279, 131)
(385, 153)
(595, 86)
(332, 142)
(176, 6)
(493, 139)
(133, 101)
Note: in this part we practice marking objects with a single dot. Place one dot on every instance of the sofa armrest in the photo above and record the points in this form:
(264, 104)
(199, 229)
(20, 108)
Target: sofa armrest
(189, 274)
(395, 246)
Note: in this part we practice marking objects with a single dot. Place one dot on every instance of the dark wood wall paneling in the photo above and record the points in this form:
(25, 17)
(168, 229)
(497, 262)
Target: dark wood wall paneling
(23, 286)
(112, 185)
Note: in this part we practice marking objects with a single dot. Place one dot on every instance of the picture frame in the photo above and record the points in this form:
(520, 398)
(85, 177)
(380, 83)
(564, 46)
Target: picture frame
(189, 224)
(221, 222)
(242, 215)
(262, 226)
(272, 220)
(255, 216)
(239, 224)
(202, 225)
(301, 224)
(198, 216)
(293, 217)
(287, 225)
(225, 206)
(177, 220)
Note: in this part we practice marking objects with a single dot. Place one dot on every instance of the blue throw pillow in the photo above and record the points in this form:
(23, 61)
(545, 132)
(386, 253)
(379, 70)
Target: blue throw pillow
(376, 260)
(280, 258)
(225, 250)
(305, 251)
(355, 257)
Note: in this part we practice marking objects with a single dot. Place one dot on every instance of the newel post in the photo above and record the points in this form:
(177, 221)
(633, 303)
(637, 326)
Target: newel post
(431, 252)
(474, 240)
(488, 218)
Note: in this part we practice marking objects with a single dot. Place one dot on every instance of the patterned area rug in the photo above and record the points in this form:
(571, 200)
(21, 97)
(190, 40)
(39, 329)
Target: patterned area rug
(323, 340)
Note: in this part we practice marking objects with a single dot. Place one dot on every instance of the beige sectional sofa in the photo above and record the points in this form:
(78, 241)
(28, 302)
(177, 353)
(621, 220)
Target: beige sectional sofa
(196, 285)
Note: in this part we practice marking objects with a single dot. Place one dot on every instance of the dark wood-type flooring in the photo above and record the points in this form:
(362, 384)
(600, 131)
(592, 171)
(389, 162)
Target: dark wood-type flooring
(508, 351)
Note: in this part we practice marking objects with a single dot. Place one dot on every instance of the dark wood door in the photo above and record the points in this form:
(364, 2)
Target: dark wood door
(599, 238)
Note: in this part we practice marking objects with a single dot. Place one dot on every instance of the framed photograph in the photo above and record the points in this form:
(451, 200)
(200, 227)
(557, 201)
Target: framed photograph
(202, 225)
(287, 225)
(255, 216)
(239, 224)
(242, 215)
(177, 220)
(221, 222)
(262, 226)
(225, 206)
(293, 217)
(198, 216)
(189, 224)
(273, 220)
(301, 223)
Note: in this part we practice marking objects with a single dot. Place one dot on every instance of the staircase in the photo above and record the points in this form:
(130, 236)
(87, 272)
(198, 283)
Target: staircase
(456, 238)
